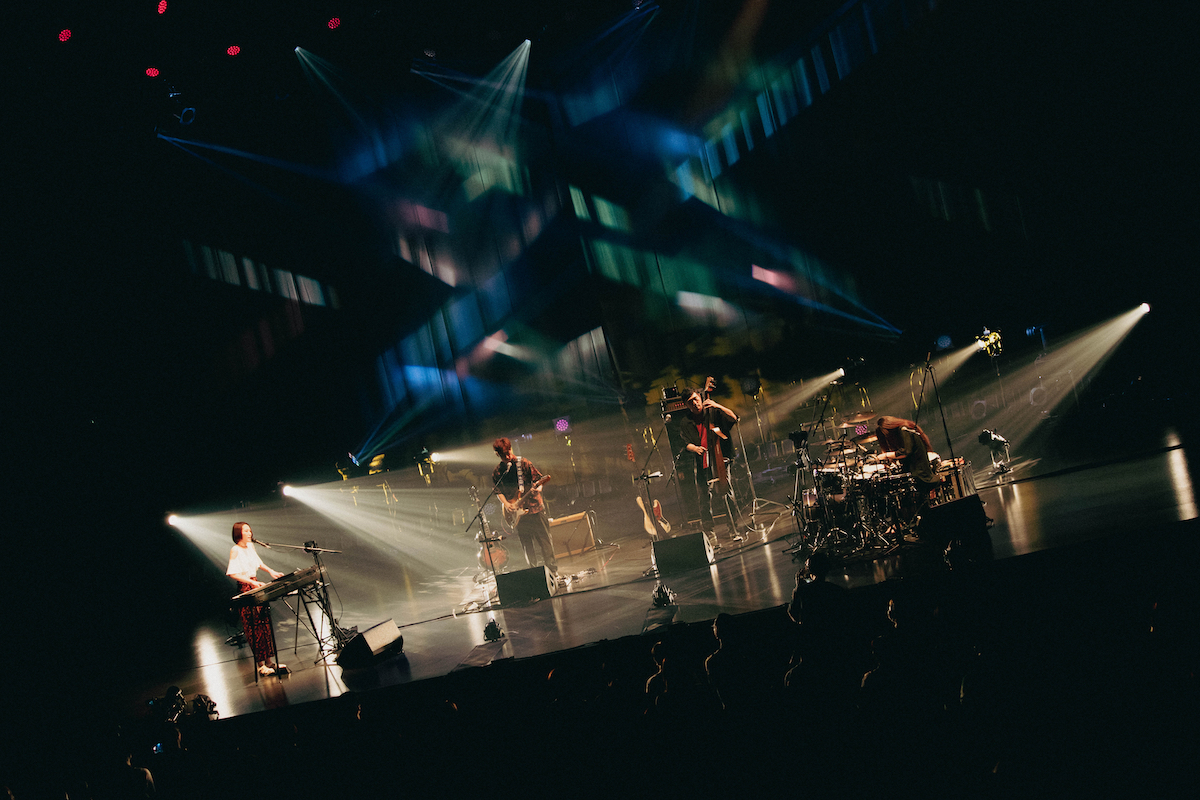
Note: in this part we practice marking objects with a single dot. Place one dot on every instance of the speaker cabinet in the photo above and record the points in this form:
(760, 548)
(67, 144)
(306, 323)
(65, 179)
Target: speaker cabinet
(524, 586)
(375, 644)
(683, 553)
(961, 521)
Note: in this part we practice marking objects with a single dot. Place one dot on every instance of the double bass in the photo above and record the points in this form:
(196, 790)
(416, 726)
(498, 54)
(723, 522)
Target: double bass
(724, 448)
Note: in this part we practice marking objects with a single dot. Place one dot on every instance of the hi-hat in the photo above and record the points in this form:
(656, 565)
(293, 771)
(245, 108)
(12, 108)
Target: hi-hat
(866, 438)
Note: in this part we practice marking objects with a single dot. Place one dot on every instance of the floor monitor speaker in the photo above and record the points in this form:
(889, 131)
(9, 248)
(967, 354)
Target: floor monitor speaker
(524, 586)
(375, 644)
(962, 521)
(683, 553)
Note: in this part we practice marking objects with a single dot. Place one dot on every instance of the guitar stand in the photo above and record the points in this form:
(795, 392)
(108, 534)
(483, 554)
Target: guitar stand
(645, 477)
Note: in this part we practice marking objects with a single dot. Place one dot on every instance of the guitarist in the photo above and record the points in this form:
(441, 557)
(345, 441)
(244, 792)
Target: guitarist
(705, 427)
(519, 479)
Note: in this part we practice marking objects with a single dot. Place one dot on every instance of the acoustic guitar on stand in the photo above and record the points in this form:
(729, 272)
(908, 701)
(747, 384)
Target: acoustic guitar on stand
(492, 554)
(514, 510)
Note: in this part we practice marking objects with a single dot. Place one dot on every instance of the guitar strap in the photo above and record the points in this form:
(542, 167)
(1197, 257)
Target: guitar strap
(520, 477)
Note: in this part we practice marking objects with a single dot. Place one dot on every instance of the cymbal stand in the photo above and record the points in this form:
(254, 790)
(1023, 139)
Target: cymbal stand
(796, 500)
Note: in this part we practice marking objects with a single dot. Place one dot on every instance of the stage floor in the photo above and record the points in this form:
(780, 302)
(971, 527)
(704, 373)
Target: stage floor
(608, 592)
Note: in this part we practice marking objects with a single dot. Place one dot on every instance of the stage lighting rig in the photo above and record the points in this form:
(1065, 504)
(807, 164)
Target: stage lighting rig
(989, 342)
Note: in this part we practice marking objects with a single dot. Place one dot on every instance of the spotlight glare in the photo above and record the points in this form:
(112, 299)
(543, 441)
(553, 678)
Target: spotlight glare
(64, 34)
(172, 520)
(334, 22)
(1145, 307)
(435, 457)
(152, 72)
(287, 491)
(233, 50)
(162, 6)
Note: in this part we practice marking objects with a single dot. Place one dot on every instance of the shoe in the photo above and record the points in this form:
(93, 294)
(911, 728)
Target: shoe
(281, 667)
(265, 671)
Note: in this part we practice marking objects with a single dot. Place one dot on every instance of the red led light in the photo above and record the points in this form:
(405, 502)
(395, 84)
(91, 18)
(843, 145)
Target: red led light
(333, 23)
(152, 72)
(162, 6)
(64, 34)
(233, 50)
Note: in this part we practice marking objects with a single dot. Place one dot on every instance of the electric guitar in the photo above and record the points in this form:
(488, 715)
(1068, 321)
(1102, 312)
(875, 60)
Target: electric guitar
(647, 522)
(513, 511)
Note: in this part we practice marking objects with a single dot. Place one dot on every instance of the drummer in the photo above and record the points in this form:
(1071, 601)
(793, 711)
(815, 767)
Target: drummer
(903, 441)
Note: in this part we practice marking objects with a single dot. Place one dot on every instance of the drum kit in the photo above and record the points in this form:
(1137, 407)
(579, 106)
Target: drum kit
(856, 500)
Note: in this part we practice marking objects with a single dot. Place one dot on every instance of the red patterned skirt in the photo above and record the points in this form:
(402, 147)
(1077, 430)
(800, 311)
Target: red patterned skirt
(256, 623)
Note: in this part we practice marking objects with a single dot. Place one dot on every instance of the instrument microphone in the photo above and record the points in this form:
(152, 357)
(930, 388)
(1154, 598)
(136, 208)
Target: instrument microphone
(666, 418)
(256, 541)
(654, 475)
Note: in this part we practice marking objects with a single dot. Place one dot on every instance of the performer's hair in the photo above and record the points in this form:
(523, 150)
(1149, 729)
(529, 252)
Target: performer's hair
(687, 394)
(502, 445)
(237, 531)
(885, 427)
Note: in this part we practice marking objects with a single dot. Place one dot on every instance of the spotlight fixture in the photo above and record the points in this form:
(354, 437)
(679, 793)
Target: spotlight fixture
(998, 447)
(989, 342)
(172, 520)
(492, 632)
(662, 596)
(562, 425)
(944, 343)
(287, 490)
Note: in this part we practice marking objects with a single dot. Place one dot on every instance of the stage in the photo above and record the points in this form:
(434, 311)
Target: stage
(606, 592)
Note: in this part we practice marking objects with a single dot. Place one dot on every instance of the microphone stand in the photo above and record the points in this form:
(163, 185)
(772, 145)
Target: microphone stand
(937, 395)
(487, 540)
(318, 593)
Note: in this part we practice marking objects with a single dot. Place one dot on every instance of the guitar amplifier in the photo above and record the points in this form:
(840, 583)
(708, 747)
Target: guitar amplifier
(672, 406)
(572, 535)
(671, 402)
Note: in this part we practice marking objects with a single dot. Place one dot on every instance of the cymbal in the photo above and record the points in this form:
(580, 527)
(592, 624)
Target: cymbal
(861, 417)
(826, 442)
(847, 425)
(866, 438)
